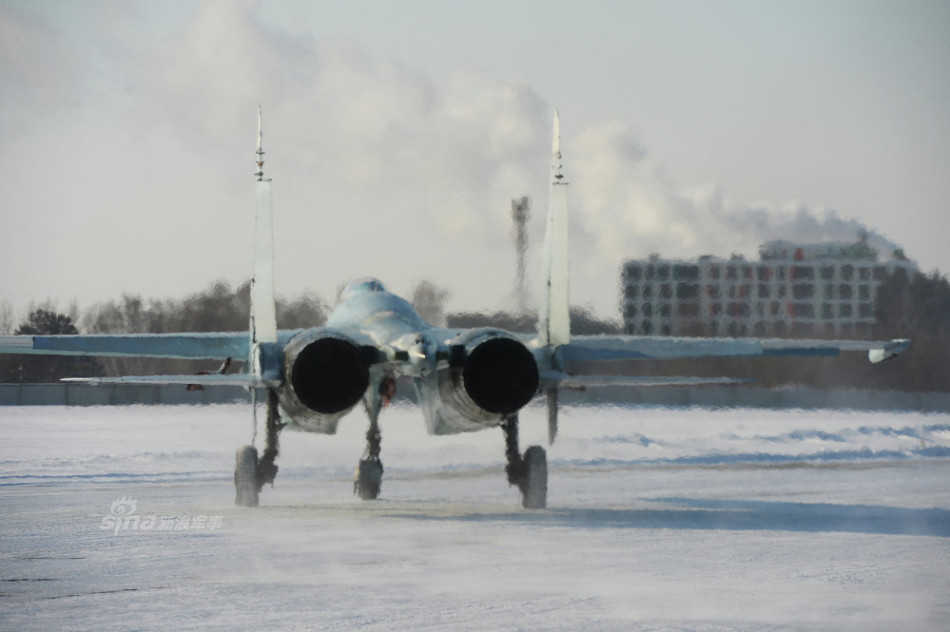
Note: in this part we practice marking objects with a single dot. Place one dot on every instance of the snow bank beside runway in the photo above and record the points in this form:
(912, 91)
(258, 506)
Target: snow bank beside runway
(154, 443)
(659, 519)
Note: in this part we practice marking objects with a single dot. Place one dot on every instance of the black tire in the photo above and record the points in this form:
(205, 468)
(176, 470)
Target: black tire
(245, 477)
(369, 479)
(535, 495)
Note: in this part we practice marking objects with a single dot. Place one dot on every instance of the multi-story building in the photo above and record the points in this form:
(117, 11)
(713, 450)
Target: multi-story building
(795, 289)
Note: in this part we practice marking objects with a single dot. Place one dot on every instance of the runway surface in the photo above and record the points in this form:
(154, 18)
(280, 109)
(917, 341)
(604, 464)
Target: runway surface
(121, 518)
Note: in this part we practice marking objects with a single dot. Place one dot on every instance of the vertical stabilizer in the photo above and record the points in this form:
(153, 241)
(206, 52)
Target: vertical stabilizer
(554, 322)
(263, 309)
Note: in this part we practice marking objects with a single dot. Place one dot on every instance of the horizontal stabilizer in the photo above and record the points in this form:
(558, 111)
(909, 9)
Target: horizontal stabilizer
(619, 348)
(214, 379)
(215, 346)
(563, 380)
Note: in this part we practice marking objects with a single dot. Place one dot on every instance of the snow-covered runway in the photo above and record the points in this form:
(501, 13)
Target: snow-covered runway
(119, 518)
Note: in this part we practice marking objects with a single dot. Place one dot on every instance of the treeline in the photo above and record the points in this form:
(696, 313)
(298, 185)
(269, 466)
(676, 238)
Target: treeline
(583, 322)
(907, 306)
(219, 308)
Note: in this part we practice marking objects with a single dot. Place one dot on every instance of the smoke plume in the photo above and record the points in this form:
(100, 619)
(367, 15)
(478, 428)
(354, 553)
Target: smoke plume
(379, 169)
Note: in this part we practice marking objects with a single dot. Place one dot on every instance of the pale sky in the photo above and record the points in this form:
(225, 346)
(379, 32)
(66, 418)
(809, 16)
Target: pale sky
(398, 132)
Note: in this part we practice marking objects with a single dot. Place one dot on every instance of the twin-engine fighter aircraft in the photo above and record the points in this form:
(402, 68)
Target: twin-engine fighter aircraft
(465, 380)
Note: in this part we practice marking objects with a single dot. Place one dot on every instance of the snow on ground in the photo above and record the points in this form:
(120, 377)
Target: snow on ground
(120, 518)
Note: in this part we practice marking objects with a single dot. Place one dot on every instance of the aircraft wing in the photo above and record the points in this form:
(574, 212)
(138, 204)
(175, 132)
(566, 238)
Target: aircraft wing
(211, 379)
(583, 349)
(564, 380)
(214, 346)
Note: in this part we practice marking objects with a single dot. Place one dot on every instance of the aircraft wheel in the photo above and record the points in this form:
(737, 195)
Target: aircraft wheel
(535, 495)
(245, 476)
(369, 479)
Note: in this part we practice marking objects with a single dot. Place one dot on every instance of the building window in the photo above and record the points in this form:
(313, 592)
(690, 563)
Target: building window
(688, 310)
(686, 273)
(687, 290)
(803, 273)
(864, 292)
(844, 291)
(802, 290)
(804, 310)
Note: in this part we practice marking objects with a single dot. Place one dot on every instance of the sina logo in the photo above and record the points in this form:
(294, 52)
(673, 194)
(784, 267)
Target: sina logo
(124, 506)
(123, 517)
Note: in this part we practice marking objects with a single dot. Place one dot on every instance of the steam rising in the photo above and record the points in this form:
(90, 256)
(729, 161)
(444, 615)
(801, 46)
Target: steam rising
(379, 170)
(631, 208)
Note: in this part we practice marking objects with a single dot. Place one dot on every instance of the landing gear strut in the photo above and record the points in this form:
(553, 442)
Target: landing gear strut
(369, 474)
(251, 473)
(528, 472)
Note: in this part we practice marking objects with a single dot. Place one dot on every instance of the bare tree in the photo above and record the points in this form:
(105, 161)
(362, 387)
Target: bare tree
(27, 368)
(429, 300)
(7, 318)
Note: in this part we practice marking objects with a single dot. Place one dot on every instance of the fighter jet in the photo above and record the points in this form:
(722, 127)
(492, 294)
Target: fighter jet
(464, 380)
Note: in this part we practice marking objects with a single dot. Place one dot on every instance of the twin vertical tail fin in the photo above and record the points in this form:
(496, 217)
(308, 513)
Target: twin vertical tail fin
(263, 324)
(554, 321)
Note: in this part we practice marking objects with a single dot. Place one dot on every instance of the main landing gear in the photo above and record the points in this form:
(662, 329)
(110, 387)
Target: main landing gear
(252, 473)
(368, 479)
(528, 472)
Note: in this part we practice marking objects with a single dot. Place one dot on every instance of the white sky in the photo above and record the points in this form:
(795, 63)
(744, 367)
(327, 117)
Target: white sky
(397, 132)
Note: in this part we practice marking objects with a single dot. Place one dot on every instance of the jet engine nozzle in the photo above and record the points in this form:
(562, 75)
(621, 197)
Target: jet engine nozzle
(327, 372)
(492, 374)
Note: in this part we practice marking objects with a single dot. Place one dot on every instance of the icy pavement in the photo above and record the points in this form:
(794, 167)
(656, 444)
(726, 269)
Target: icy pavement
(121, 518)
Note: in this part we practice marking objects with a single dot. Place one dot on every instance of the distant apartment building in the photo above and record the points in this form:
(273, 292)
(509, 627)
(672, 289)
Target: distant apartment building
(794, 289)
